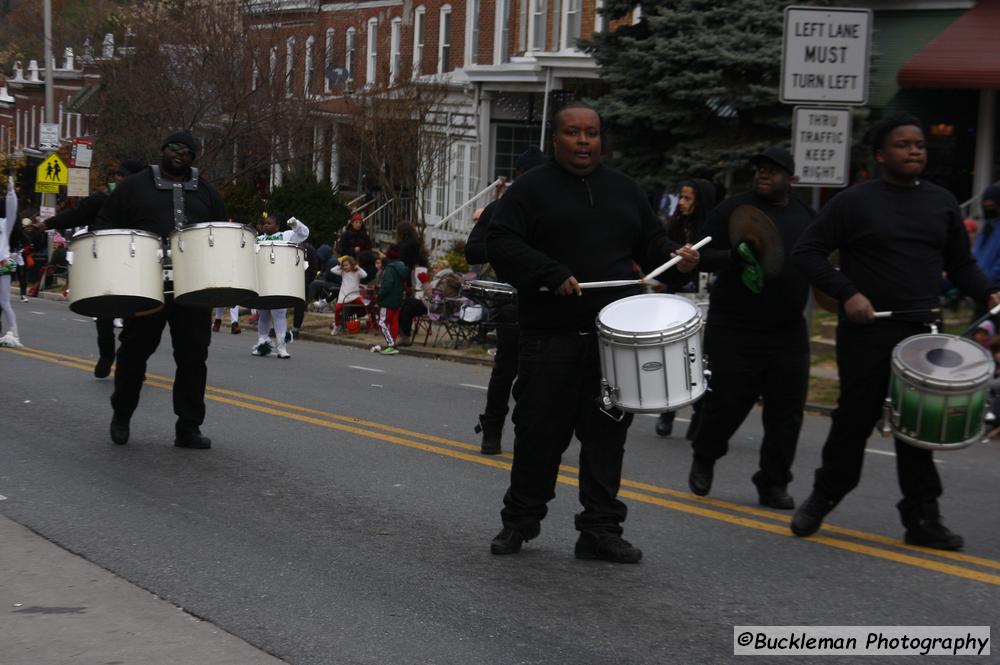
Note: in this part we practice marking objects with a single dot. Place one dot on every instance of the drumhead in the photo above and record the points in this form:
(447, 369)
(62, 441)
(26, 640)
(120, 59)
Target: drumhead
(656, 316)
(943, 360)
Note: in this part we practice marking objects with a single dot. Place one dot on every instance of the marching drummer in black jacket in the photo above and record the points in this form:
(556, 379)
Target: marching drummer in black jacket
(567, 220)
(140, 203)
(896, 236)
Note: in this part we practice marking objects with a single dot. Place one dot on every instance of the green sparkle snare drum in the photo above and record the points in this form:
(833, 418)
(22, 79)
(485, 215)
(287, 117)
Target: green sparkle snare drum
(938, 391)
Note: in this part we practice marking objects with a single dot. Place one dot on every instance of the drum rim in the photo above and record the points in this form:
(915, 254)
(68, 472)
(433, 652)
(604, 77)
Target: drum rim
(625, 338)
(279, 243)
(485, 284)
(904, 371)
(929, 445)
(114, 232)
(214, 225)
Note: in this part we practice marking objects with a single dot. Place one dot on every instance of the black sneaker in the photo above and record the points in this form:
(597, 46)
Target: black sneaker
(775, 497)
(119, 431)
(933, 534)
(510, 539)
(700, 478)
(665, 424)
(103, 367)
(606, 547)
(193, 440)
(809, 517)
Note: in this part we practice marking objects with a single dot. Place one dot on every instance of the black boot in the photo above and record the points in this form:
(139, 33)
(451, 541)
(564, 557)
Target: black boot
(809, 517)
(119, 430)
(700, 477)
(491, 436)
(665, 424)
(924, 528)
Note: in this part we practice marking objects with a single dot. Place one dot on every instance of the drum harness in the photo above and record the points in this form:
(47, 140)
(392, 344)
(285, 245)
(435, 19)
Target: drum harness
(178, 189)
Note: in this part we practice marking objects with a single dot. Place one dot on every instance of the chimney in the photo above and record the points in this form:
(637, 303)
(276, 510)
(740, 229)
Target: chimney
(33, 71)
(108, 46)
(68, 59)
(18, 71)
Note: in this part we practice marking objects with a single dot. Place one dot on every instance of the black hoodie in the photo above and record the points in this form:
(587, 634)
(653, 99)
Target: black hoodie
(552, 225)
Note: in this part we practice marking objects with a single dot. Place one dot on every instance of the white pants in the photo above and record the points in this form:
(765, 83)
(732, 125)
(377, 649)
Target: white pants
(234, 314)
(269, 318)
(10, 319)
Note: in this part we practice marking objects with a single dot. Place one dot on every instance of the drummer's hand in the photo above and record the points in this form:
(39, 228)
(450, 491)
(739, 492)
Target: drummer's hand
(570, 287)
(689, 258)
(994, 300)
(859, 309)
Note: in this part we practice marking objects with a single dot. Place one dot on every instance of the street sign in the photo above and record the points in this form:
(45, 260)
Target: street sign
(46, 188)
(821, 140)
(48, 136)
(52, 172)
(825, 55)
(83, 152)
(79, 182)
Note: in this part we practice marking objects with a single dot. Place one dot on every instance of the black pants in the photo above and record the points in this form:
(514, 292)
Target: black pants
(504, 368)
(864, 354)
(409, 310)
(555, 394)
(190, 334)
(746, 365)
(106, 337)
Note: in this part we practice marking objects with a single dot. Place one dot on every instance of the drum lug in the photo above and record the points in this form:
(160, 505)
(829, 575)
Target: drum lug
(243, 239)
(608, 406)
(131, 245)
(211, 238)
(93, 247)
(272, 255)
(887, 414)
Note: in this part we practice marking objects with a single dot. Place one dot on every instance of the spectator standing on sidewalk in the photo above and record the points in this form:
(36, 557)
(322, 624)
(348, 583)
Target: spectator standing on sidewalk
(390, 298)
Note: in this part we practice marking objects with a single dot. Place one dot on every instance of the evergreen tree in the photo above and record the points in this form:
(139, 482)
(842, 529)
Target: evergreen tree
(692, 88)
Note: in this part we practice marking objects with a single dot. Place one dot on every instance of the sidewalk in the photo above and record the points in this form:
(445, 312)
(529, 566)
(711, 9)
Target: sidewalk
(56, 607)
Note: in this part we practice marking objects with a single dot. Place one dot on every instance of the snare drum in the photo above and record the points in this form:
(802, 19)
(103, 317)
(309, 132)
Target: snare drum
(938, 391)
(492, 294)
(115, 272)
(281, 280)
(215, 264)
(651, 353)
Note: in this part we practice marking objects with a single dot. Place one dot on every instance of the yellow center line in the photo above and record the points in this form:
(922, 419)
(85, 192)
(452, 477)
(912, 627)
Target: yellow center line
(701, 507)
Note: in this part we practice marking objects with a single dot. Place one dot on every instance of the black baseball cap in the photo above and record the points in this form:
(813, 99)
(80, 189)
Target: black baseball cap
(775, 155)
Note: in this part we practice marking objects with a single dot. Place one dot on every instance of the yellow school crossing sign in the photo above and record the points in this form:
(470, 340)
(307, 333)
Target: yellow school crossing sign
(51, 174)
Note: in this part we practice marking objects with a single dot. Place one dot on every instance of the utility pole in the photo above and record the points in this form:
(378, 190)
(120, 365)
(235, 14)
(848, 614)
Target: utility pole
(48, 200)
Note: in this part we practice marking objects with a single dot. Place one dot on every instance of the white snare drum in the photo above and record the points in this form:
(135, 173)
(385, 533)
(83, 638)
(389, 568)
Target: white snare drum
(115, 272)
(489, 293)
(215, 264)
(651, 353)
(281, 279)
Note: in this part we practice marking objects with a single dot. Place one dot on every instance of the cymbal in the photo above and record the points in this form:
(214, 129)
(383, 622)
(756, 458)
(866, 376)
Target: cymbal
(752, 225)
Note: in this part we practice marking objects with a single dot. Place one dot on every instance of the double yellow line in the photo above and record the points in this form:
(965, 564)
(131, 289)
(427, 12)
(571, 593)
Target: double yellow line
(860, 542)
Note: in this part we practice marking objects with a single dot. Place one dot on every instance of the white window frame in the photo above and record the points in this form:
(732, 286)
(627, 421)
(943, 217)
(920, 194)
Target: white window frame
(443, 16)
(310, 67)
(419, 34)
(555, 9)
(371, 61)
(327, 59)
(272, 62)
(289, 65)
(473, 9)
(255, 74)
(349, 51)
(564, 39)
(537, 13)
(501, 33)
(395, 49)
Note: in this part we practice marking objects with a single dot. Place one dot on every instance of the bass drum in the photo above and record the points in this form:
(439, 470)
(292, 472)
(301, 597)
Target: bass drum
(651, 353)
(215, 264)
(938, 391)
(115, 273)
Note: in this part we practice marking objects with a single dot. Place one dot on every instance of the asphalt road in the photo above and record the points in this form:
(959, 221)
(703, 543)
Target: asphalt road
(344, 514)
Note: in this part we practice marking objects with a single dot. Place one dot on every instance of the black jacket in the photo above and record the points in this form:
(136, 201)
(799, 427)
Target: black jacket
(552, 225)
(137, 204)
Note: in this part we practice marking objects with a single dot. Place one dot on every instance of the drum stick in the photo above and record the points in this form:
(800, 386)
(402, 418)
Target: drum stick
(648, 279)
(891, 313)
(975, 324)
(674, 261)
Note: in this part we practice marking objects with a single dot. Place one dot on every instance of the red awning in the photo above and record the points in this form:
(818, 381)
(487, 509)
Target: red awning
(966, 55)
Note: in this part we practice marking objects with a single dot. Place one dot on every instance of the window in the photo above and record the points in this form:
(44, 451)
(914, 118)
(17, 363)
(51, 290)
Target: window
(310, 70)
(444, 40)
(472, 32)
(255, 75)
(538, 18)
(370, 71)
(418, 38)
(571, 23)
(556, 24)
(501, 49)
(460, 175)
(598, 16)
(349, 55)
(327, 59)
(272, 65)
(289, 65)
(395, 55)
(511, 141)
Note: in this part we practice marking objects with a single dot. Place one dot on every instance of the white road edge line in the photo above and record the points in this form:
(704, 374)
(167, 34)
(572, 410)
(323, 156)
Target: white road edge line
(472, 385)
(367, 369)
